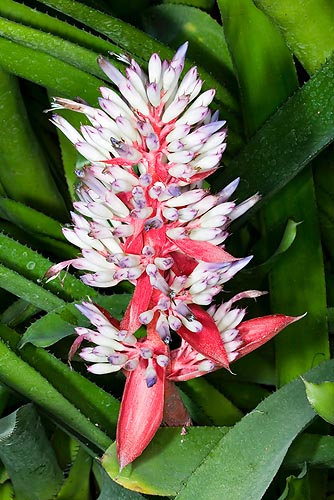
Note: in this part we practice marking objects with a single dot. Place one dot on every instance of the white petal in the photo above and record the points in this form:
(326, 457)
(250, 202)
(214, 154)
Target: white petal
(103, 368)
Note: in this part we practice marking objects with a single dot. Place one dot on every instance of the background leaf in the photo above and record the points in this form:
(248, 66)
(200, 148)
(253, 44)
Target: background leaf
(164, 473)
(309, 35)
(225, 474)
(35, 476)
(321, 398)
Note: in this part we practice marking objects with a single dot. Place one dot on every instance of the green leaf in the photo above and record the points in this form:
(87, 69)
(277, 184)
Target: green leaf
(244, 395)
(270, 78)
(133, 40)
(257, 368)
(201, 4)
(48, 71)
(167, 461)
(19, 376)
(216, 406)
(292, 291)
(6, 491)
(321, 398)
(330, 318)
(43, 231)
(297, 487)
(61, 49)
(305, 124)
(33, 266)
(313, 449)
(323, 173)
(92, 401)
(189, 23)
(307, 26)
(28, 181)
(20, 13)
(253, 277)
(77, 485)
(53, 327)
(244, 462)
(28, 290)
(29, 219)
(4, 394)
(110, 489)
(28, 455)
(61, 322)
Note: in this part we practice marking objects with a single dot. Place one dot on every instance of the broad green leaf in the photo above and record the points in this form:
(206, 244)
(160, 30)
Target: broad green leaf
(61, 322)
(244, 461)
(52, 327)
(297, 487)
(77, 484)
(262, 62)
(305, 124)
(307, 25)
(313, 449)
(99, 406)
(134, 41)
(292, 291)
(321, 398)
(31, 182)
(23, 378)
(28, 455)
(167, 462)
(110, 489)
(189, 23)
(215, 405)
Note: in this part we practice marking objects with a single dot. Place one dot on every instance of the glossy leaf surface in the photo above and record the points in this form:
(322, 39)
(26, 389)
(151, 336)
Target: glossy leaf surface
(275, 422)
(307, 26)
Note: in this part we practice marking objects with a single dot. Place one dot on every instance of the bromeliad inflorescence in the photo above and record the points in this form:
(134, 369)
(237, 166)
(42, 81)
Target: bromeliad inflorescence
(142, 215)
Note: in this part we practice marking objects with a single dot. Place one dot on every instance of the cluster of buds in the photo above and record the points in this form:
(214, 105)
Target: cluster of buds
(143, 216)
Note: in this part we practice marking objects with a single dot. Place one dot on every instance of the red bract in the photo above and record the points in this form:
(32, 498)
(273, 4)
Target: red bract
(143, 216)
(208, 341)
(143, 401)
(256, 332)
(140, 415)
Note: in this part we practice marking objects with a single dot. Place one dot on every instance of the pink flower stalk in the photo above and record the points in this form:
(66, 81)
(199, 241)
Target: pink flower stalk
(143, 216)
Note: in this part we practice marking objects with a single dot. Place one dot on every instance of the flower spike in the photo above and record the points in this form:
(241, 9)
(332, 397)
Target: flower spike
(142, 215)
